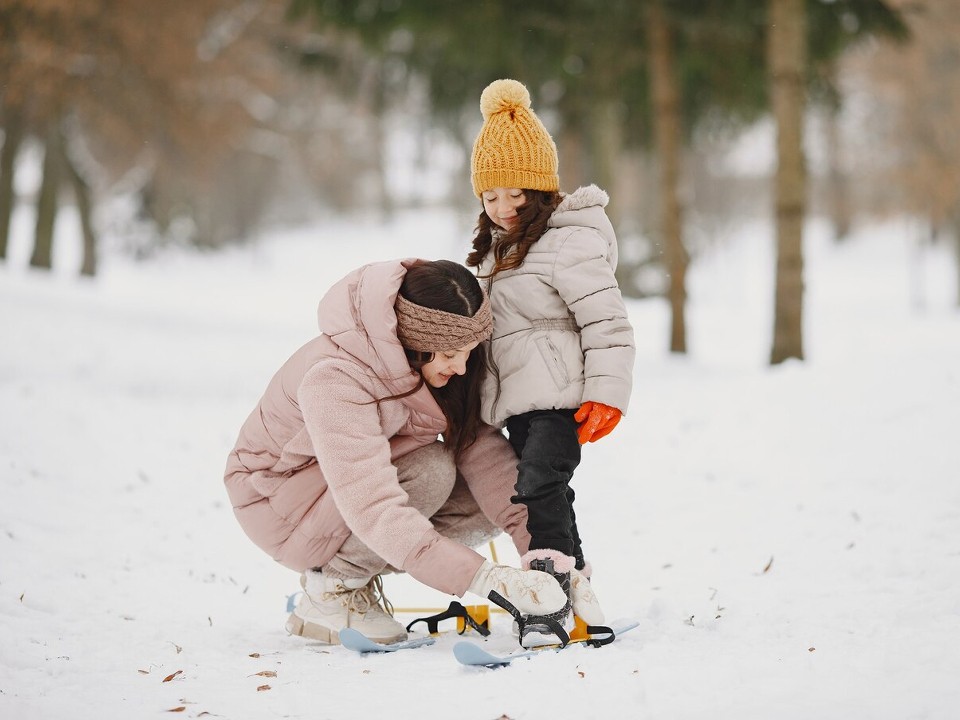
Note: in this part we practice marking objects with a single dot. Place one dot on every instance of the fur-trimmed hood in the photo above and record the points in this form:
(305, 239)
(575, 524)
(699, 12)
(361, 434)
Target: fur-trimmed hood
(585, 208)
(583, 197)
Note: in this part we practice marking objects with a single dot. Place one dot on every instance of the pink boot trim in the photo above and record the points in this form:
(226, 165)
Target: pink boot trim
(561, 563)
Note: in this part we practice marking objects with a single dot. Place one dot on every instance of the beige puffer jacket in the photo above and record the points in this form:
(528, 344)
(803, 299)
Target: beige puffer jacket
(560, 330)
(313, 460)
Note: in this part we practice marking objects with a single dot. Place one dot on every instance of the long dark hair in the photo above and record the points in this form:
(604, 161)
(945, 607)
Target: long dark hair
(449, 286)
(510, 248)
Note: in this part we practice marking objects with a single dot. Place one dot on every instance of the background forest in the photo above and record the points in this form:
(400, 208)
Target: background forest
(181, 181)
(209, 122)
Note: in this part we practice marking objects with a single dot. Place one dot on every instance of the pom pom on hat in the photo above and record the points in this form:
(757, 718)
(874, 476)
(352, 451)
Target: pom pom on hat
(513, 149)
(503, 95)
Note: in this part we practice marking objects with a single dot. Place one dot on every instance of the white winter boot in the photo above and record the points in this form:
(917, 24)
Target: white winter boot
(330, 604)
(539, 630)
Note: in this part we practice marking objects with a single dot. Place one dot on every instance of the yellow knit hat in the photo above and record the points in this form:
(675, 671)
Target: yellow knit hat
(513, 148)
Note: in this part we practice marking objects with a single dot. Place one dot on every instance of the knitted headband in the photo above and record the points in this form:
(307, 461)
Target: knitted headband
(513, 148)
(427, 330)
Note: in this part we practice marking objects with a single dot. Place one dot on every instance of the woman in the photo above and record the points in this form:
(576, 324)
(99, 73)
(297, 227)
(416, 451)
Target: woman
(338, 473)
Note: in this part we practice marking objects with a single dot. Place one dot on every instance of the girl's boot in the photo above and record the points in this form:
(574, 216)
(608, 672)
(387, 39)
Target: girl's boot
(538, 630)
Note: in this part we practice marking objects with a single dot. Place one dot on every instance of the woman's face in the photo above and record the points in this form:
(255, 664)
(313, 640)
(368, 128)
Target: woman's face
(501, 205)
(446, 364)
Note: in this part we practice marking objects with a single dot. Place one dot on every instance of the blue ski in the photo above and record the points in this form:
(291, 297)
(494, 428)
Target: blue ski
(468, 653)
(358, 642)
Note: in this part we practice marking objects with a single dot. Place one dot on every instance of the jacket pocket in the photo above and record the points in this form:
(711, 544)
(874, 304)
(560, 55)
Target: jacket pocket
(554, 362)
(268, 483)
(302, 466)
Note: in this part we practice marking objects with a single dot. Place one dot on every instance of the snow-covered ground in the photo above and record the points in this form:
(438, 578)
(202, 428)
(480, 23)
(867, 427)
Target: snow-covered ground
(788, 537)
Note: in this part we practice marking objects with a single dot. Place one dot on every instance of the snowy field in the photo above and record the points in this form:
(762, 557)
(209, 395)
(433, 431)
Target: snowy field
(788, 537)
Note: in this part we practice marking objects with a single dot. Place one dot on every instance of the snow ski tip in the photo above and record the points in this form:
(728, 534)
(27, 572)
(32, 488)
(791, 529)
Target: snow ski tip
(358, 642)
(470, 654)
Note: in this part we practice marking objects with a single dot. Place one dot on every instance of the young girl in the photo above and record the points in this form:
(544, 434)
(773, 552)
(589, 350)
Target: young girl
(561, 354)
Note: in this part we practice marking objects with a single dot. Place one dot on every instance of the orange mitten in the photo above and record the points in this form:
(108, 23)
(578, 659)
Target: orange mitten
(596, 420)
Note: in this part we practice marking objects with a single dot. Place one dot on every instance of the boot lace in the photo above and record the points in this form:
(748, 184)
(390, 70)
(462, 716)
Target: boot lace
(363, 600)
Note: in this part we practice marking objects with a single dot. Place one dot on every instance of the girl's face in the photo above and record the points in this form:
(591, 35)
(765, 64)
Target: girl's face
(501, 205)
(446, 364)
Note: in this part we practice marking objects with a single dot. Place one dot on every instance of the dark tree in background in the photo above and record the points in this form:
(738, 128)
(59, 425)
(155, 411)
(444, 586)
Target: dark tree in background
(621, 74)
(212, 112)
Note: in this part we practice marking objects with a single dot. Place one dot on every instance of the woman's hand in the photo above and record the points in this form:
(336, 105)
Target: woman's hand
(530, 591)
(596, 420)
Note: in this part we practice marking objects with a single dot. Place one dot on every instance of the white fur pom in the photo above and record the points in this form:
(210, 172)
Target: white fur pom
(501, 95)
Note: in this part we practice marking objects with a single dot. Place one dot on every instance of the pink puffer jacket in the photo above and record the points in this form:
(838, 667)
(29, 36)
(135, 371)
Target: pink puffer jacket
(313, 460)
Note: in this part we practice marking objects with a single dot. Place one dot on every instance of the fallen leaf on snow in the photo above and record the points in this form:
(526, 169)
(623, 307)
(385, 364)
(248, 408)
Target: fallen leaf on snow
(811, 649)
(177, 709)
(143, 672)
(170, 677)
(262, 688)
(254, 655)
(265, 673)
(769, 565)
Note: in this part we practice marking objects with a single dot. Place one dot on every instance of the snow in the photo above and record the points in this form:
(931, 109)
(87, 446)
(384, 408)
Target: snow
(788, 537)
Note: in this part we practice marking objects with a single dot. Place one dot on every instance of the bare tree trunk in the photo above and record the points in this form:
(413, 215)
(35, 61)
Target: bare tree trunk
(84, 207)
(956, 248)
(666, 125)
(47, 199)
(606, 143)
(786, 62)
(379, 150)
(572, 172)
(838, 197)
(955, 227)
(12, 136)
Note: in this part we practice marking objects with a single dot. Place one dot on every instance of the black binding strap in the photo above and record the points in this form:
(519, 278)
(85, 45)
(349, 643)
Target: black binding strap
(593, 630)
(456, 610)
(551, 624)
